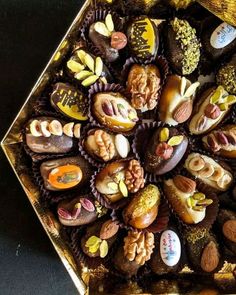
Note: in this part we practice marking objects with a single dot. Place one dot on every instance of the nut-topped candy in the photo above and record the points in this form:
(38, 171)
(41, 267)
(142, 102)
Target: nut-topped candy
(79, 211)
(104, 36)
(65, 173)
(183, 47)
(49, 135)
(164, 151)
(98, 238)
(176, 103)
(211, 109)
(105, 146)
(143, 38)
(143, 208)
(69, 101)
(222, 142)
(209, 171)
(116, 180)
(114, 111)
(143, 84)
(186, 200)
(87, 68)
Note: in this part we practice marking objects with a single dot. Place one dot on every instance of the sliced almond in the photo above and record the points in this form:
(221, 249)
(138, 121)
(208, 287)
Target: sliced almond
(183, 84)
(55, 128)
(68, 129)
(77, 129)
(98, 66)
(122, 145)
(35, 128)
(192, 89)
(103, 80)
(102, 29)
(45, 129)
(109, 22)
(83, 75)
(74, 66)
(90, 80)
(81, 55)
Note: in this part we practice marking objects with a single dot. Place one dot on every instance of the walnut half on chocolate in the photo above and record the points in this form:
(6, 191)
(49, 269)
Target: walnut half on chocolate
(143, 84)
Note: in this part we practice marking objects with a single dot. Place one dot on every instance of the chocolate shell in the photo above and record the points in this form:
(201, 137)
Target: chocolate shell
(160, 161)
(65, 173)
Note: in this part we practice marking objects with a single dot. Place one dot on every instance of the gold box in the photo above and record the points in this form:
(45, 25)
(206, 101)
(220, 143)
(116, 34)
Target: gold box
(11, 144)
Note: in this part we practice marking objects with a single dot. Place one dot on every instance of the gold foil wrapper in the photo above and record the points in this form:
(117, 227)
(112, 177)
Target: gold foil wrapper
(86, 281)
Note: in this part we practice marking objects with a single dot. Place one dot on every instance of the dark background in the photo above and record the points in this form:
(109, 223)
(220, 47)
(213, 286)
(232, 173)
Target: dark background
(30, 31)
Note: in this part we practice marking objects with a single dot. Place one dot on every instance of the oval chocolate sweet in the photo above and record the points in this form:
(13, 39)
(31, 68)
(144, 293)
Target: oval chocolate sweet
(69, 101)
(170, 248)
(143, 37)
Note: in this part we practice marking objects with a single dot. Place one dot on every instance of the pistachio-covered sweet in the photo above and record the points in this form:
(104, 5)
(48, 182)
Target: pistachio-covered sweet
(202, 249)
(105, 146)
(186, 200)
(143, 208)
(143, 84)
(49, 135)
(226, 76)
(79, 211)
(183, 47)
(164, 151)
(104, 36)
(218, 38)
(214, 104)
(87, 68)
(209, 171)
(65, 173)
(118, 179)
(113, 110)
(176, 103)
(69, 101)
(99, 238)
(222, 142)
(143, 37)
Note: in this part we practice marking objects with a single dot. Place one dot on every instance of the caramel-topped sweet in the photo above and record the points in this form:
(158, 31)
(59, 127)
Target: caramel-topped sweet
(209, 171)
(222, 141)
(212, 107)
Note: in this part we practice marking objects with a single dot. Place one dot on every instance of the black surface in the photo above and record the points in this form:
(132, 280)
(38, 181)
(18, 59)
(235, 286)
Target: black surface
(30, 30)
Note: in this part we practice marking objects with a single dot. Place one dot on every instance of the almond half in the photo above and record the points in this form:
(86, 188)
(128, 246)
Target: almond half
(183, 111)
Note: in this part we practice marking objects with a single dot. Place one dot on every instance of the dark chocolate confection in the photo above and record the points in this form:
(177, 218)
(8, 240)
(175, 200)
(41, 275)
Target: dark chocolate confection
(65, 173)
(143, 37)
(218, 38)
(68, 100)
(158, 165)
(48, 144)
(226, 76)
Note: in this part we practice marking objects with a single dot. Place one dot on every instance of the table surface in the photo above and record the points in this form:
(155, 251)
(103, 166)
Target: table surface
(30, 30)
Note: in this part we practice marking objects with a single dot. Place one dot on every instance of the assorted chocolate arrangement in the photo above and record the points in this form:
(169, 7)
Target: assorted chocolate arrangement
(139, 146)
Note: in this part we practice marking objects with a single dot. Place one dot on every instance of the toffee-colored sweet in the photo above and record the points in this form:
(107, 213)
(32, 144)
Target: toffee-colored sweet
(186, 200)
(104, 37)
(143, 208)
(114, 111)
(218, 38)
(87, 68)
(104, 146)
(183, 47)
(222, 141)
(210, 172)
(78, 211)
(212, 107)
(99, 238)
(65, 173)
(49, 135)
(202, 249)
(118, 179)
(167, 253)
(226, 76)
(143, 37)
(69, 101)
(143, 84)
(164, 151)
(176, 103)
